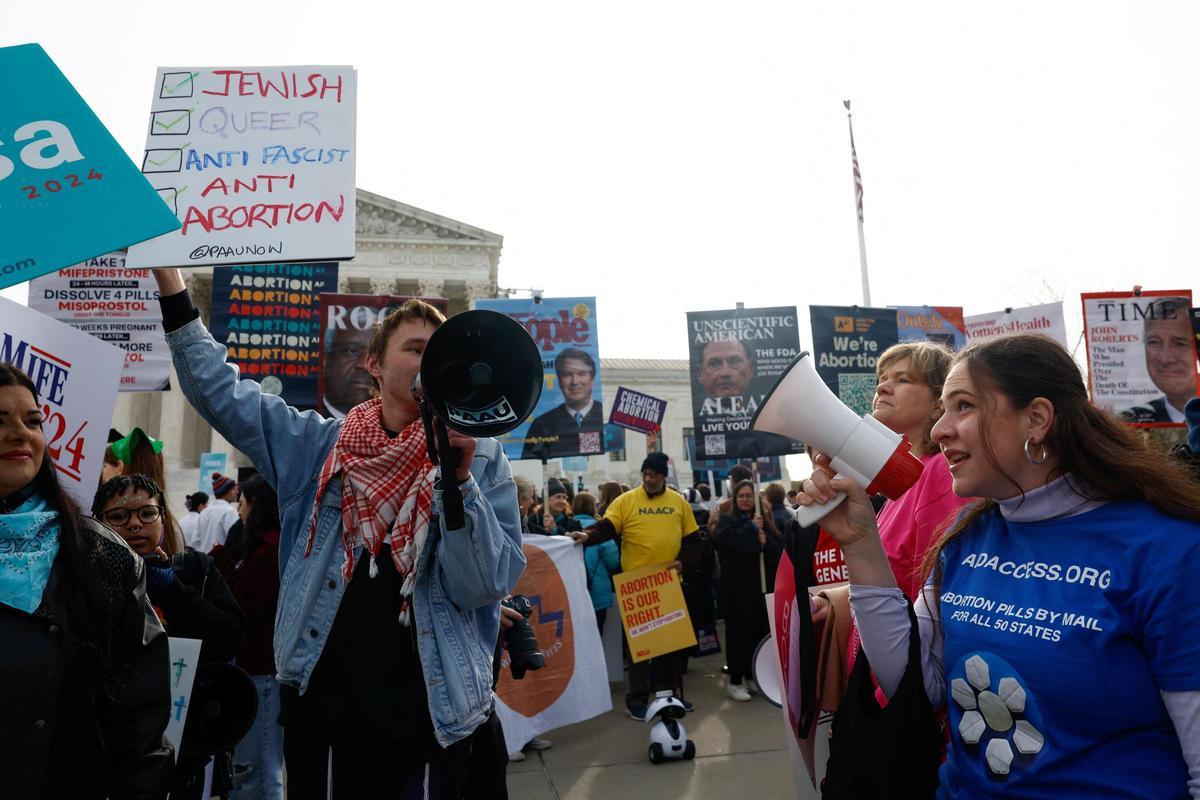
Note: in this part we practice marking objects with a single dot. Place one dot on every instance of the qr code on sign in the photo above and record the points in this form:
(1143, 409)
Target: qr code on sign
(714, 444)
(589, 442)
(857, 391)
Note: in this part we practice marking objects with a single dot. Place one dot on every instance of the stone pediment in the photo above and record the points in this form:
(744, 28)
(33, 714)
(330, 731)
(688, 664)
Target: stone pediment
(381, 218)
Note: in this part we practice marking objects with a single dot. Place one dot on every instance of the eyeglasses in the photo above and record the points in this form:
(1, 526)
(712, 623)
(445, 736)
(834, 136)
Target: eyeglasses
(121, 516)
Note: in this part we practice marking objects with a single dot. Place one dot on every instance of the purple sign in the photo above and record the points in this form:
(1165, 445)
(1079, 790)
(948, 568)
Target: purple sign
(637, 411)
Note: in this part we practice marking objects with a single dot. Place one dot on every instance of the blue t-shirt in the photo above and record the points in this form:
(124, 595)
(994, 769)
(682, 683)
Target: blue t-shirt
(1059, 636)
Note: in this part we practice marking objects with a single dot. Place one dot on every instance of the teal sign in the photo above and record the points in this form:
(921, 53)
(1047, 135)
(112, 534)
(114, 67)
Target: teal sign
(68, 192)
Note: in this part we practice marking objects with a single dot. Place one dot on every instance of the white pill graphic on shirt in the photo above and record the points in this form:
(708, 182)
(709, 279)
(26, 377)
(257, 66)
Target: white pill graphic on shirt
(977, 673)
(1027, 739)
(995, 712)
(971, 727)
(995, 720)
(1012, 694)
(962, 693)
(999, 756)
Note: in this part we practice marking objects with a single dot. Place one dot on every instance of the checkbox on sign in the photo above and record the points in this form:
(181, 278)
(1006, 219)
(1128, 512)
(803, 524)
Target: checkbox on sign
(162, 161)
(171, 123)
(170, 196)
(176, 84)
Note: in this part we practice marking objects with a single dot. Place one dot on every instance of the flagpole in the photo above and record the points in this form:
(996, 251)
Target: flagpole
(858, 203)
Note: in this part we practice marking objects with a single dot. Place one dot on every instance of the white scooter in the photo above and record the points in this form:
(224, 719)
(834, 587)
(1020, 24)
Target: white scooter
(668, 739)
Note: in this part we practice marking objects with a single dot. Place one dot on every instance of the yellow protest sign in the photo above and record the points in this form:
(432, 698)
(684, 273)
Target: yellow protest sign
(653, 612)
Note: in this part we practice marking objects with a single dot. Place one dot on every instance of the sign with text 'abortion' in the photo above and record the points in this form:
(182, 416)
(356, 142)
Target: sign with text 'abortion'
(848, 342)
(76, 376)
(68, 192)
(637, 411)
(257, 162)
(653, 611)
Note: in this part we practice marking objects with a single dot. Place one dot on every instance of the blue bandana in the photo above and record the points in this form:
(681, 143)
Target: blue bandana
(28, 545)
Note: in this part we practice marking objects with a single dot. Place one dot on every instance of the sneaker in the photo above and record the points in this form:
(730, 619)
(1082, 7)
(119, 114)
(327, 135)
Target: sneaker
(517, 756)
(637, 712)
(538, 744)
(736, 691)
(751, 686)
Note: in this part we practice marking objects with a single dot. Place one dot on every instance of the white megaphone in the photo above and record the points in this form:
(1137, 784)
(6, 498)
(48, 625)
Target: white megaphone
(801, 407)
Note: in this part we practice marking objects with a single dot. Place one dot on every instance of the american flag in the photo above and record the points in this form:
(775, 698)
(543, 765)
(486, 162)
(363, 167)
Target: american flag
(857, 178)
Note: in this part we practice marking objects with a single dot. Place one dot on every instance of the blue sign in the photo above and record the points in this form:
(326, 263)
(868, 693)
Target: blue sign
(68, 192)
(210, 463)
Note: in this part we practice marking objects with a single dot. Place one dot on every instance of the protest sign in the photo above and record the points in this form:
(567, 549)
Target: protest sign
(848, 341)
(257, 162)
(768, 468)
(636, 411)
(269, 317)
(1045, 319)
(101, 297)
(569, 418)
(941, 324)
(347, 322)
(736, 356)
(573, 684)
(76, 376)
(1141, 353)
(650, 602)
(210, 463)
(185, 658)
(614, 438)
(67, 189)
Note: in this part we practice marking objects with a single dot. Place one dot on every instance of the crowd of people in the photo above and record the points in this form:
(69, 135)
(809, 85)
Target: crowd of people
(1026, 601)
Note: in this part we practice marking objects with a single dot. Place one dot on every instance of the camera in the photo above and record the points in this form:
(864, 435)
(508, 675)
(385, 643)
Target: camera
(522, 645)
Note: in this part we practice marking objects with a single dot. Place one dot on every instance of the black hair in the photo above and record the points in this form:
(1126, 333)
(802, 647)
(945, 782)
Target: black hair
(263, 517)
(123, 484)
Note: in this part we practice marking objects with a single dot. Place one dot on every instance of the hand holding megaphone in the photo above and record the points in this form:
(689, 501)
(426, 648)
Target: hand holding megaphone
(824, 492)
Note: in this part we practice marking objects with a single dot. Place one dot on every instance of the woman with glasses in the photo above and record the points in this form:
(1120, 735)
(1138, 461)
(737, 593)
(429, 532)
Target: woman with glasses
(192, 599)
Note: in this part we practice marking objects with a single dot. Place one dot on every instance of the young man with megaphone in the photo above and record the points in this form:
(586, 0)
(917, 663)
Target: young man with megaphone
(387, 619)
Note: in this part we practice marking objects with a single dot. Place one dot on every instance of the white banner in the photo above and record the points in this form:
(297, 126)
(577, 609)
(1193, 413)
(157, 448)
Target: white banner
(573, 686)
(1045, 319)
(76, 377)
(117, 305)
(185, 657)
(257, 163)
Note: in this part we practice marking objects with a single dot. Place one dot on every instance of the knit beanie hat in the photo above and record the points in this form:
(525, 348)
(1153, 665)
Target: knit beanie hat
(554, 486)
(656, 462)
(221, 484)
(1191, 412)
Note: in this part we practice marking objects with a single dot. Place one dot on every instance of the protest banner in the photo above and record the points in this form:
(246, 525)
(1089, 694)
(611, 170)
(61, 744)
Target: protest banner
(569, 417)
(573, 685)
(768, 468)
(1045, 319)
(269, 317)
(1141, 352)
(76, 376)
(653, 612)
(67, 189)
(614, 438)
(256, 162)
(347, 322)
(636, 411)
(103, 298)
(185, 658)
(941, 324)
(736, 356)
(848, 341)
(1196, 326)
(210, 463)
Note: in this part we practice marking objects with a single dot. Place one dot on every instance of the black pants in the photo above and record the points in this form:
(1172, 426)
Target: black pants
(652, 675)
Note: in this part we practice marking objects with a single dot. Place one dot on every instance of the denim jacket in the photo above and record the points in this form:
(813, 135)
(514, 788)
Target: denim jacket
(462, 574)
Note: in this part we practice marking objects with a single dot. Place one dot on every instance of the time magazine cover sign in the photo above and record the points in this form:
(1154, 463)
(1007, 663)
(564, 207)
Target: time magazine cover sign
(736, 356)
(1141, 354)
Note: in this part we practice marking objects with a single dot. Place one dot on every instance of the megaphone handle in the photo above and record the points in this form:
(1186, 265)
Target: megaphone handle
(809, 515)
(452, 500)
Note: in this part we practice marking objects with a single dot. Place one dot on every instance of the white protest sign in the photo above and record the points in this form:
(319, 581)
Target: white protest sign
(76, 376)
(185, 657)
(257, 163)
(1045, 319)
(115, 304)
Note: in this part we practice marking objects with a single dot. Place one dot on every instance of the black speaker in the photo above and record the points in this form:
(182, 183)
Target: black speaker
(224, 704)
(481, 373)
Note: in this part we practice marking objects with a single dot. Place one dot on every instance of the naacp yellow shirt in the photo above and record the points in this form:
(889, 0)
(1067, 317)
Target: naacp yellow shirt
(651, 528)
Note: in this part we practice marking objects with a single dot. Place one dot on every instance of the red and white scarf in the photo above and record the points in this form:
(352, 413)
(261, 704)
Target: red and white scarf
(387, 492)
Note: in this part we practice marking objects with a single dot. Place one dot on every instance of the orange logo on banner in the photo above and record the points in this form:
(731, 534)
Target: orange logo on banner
(843, 324)
(551, 622)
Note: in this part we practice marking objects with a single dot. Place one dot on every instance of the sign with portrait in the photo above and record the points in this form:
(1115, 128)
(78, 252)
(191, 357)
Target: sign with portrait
(940, 324)
(848, 341)
(569, 417)
(1141, 353)
(736, 356)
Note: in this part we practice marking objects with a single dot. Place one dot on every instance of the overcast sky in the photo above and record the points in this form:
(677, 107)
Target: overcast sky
(675, 156)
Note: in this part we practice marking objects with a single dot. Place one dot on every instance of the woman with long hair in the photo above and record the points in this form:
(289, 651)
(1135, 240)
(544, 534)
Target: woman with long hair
(85, 664)
(608, 491)
(189, 593)
(739, 543)
(251, 568)
(1058, 623)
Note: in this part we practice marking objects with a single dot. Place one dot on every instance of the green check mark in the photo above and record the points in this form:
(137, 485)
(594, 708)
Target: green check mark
(167, 160)
(178, 86)
(166, 126)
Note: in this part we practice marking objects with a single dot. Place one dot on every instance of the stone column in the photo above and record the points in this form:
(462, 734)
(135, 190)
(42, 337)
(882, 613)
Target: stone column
(383, 285)
(478, 290)
(431, 287)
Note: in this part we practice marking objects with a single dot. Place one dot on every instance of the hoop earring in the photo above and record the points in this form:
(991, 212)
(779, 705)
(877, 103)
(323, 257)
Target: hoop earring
(1041, 459)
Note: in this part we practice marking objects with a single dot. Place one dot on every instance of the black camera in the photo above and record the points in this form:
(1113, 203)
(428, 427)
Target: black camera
(522, 645)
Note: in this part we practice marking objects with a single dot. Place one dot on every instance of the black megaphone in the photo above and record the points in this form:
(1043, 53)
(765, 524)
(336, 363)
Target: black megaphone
(224, 704)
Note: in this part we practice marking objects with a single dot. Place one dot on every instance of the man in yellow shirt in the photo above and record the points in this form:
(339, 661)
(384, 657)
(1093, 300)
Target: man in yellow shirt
(653, 526)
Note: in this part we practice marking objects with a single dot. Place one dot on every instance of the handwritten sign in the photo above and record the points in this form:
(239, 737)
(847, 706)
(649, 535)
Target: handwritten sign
(76, 377)
(653, 611)
(68, 192)
(102, 297)
(185, 657)
(257, 162)
(637, 411)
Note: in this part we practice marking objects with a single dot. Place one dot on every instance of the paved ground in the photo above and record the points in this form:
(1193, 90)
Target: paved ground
(740, 752)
